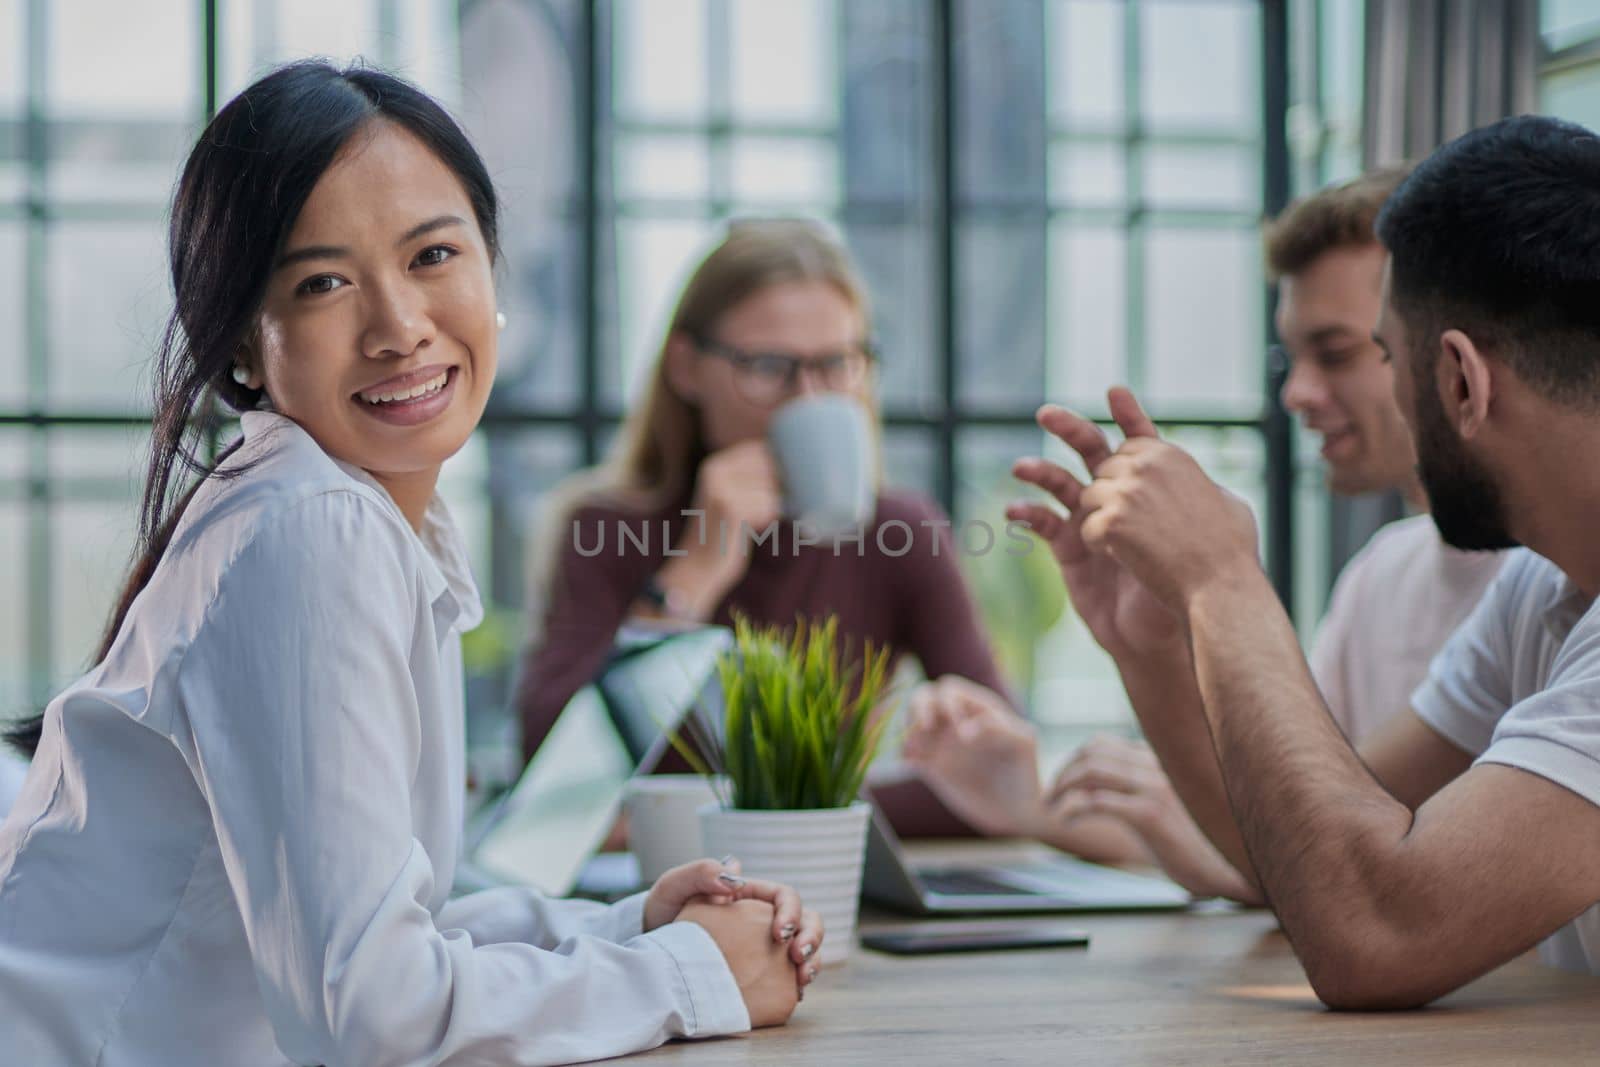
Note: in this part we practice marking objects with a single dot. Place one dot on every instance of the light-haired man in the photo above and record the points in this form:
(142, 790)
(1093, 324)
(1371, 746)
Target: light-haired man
(1391, 610)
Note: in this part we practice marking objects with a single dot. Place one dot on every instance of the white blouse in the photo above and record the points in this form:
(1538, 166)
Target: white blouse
(237, 839)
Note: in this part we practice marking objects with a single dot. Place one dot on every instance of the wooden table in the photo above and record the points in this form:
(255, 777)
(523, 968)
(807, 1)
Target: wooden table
(1152, 989)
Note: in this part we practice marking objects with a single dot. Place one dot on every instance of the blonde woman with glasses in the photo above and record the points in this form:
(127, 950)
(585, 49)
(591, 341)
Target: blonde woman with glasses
(775, 312)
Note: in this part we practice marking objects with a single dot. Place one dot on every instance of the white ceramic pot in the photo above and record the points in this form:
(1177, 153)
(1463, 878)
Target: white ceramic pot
(819, 853)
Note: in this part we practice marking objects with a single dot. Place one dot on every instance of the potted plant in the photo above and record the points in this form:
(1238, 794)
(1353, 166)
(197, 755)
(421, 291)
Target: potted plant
(788, 751)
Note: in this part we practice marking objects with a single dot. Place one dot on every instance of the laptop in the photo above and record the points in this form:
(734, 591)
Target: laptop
(1050, 885)
(547, 830)
(552, 822)
(655, 676)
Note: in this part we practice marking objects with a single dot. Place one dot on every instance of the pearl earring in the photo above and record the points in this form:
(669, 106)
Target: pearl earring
(500, 319)
(241, 375)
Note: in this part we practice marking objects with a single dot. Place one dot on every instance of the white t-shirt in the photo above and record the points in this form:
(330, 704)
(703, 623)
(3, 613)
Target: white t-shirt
(1519, 685)
(1395, 604)
(237, 840)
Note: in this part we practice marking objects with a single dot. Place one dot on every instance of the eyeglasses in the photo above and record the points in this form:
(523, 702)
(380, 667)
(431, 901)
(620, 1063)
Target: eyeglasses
(767, 378)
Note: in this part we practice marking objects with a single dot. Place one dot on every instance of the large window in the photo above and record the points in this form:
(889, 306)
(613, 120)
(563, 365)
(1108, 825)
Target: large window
(1046, 197)
(1569, 84)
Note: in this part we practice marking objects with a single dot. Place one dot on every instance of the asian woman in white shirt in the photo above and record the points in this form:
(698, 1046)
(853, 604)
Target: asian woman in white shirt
(238, 835)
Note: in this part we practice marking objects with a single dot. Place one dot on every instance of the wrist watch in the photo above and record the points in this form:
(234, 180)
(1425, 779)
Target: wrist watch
(666, 601)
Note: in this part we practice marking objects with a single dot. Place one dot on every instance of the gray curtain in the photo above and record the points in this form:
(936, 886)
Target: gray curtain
(1438, 68)
(1434, 70)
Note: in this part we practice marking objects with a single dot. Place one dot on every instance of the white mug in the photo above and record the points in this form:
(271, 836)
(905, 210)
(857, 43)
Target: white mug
(663, 821)
(823, 447)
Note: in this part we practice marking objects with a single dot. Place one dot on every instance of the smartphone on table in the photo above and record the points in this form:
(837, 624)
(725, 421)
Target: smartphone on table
(923, 941)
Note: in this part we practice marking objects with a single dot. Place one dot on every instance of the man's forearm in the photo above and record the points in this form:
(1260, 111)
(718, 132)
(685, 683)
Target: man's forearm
(1310, 814)
(1167, 700)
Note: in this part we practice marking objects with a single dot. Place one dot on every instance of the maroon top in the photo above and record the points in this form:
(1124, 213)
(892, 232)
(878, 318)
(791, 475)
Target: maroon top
(899, 587)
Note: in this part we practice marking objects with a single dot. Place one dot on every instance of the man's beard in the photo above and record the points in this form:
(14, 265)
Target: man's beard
(1465, 501)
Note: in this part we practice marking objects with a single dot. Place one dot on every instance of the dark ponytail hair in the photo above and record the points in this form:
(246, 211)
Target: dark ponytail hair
(241, 191)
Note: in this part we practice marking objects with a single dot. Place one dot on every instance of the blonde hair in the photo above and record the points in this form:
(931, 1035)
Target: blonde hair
(653, 463)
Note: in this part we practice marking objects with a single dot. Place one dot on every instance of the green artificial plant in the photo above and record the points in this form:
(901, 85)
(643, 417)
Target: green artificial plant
(800, 721)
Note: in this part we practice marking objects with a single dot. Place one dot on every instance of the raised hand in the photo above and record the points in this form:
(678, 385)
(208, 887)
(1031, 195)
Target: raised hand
(736, 490)
(736, 495)
(1121, 613)
(1154, 510)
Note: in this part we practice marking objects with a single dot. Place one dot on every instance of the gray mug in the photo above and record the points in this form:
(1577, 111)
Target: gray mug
(823, 447)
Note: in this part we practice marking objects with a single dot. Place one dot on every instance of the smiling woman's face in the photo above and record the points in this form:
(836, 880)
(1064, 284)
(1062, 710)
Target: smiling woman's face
(377, 333)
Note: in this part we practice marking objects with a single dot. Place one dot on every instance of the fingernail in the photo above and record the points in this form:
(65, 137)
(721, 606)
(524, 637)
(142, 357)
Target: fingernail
(787, 932)
(806, 951)
(811, 974)
(730, 879)
(726, 860)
